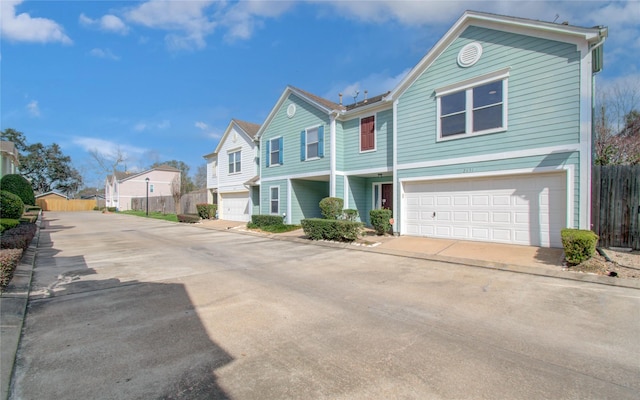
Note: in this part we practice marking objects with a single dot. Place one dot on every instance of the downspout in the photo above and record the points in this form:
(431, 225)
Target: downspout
(332, 178)
(394, 145)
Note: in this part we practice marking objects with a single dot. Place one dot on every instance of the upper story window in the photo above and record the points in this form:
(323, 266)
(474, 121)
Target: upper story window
(151, 188)
(368, 133)
(235, 162)
(274, 152)
(312, 143)
(214, 168)
(474, 107)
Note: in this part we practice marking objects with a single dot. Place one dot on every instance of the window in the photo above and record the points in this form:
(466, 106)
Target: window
(368, 133)
(234, 162)
(312, 143)
(275, 200)
(274, 152)
(474, 107)
(214, 168)
(151, 188)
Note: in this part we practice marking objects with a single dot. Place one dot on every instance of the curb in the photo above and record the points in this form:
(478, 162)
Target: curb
(14, 300)
(520, 269)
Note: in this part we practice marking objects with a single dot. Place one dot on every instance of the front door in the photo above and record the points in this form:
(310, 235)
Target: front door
(387, 196)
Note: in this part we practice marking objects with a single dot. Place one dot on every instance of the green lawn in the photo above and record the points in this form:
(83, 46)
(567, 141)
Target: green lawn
(153, 214)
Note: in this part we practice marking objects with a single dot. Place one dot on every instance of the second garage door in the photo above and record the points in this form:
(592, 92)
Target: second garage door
(234, 206)
(523, 209)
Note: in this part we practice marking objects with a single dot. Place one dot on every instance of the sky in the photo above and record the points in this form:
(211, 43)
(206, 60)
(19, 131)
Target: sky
(160, 80)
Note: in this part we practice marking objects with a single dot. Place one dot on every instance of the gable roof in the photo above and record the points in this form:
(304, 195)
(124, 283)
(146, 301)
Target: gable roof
(324, 105)
(535, 28)
(53, 192)
(249, 129)
(122, 176)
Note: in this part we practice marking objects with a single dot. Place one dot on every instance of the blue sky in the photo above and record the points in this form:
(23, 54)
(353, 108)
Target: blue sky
(160, 80)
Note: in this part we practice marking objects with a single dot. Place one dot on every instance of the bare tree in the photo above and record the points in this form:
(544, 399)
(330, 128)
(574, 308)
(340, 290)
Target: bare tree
(176, 192)
(107, 163)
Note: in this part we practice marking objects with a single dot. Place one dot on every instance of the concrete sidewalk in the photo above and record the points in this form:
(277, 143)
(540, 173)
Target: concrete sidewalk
(541, 261)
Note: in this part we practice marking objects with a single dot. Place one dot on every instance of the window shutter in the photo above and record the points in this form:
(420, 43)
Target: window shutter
(303, 145)
(321, 141)
(280, 156)
(268, 158)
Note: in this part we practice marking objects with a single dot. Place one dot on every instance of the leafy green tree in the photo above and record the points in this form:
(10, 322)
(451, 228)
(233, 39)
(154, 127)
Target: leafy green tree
(46, 167)
(20, 186)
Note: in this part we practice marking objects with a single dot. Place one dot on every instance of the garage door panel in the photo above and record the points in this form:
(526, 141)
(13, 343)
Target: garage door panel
(527, 209)
(235, 206)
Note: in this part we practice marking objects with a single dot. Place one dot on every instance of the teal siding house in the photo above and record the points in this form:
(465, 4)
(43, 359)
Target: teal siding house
(488, 138)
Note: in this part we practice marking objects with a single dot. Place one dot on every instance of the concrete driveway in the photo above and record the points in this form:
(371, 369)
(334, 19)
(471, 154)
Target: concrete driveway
(131, 308)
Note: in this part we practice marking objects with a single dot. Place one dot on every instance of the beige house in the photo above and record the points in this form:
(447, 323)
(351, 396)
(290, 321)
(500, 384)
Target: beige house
(121, 187)
(8, 158)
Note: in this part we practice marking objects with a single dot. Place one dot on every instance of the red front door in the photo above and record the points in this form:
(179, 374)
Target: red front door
(387, 196)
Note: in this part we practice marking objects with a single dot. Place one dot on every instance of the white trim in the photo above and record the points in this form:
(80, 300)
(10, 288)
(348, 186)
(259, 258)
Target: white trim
(394, 144)
(333, 152)
(368, 171)
(468, 86)
(540, 151)
(306, 143)
(586, 122)
(271, 150)
(297, 176)
(345, 193)
(375, 133)
(289, 186)
(568, 170)
(373, 193)
(271, 199)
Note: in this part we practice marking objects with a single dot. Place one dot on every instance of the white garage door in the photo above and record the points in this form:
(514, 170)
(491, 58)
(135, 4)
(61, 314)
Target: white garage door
(234, 206)
(524, 209)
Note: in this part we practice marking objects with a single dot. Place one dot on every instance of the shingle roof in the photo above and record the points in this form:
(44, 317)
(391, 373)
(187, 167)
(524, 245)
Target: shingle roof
(322, 101)
(366, 102)
(250, 128)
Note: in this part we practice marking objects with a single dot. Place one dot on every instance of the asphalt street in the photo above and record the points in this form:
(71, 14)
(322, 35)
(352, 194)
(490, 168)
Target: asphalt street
(131, 308)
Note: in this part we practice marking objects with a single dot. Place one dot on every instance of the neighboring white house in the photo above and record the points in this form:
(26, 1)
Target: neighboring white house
(232, 172)
(8, 158)
(123, 186)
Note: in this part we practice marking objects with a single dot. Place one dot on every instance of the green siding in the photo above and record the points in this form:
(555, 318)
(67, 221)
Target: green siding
(360, 197)
(305, 199)
(255, 198)
(265, 193)
(381, 157)
(289, 129)
(340, 187)
(542, 97)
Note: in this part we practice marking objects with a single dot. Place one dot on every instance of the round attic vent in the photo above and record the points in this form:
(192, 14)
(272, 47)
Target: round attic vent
(291, 110)
(469, 54)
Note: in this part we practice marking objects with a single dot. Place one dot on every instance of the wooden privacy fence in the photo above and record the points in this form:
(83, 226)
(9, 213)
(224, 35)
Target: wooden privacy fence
(166, 204)
(615, 215)
(66, 205)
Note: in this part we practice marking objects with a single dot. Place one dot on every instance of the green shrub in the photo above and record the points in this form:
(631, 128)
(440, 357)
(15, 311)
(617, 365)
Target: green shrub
(260, 221)
(188, 218)
(350, 214)
(206, 211)
(8, 223)
(20, 186)
(30, 219)
(112, 209)
(579, 245)
(96, 208)
(9, 259)
(331, 207)
(18, 237)
(11, 206)
(380, 220)
(331, 229)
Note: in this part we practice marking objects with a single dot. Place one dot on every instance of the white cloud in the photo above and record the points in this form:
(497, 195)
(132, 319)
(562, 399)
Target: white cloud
(107, 23)
(375, 84)
(24, 28)
(244, 17)
(143, 126)
(33, 108)
(106, 53)
(186, 21)
(201, 125)
(106, 148)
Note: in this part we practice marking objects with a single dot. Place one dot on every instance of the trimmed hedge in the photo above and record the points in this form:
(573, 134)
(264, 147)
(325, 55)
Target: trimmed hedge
(260, 221)
(9, 259)
(331, 207)
(331, 229)
(20, 186)
(18, 237)
(188, 218)
(8, 223)
(206, 211)
(350, 214)
(579, 245)
(380, 220)
(11, 206)
(112, 209)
